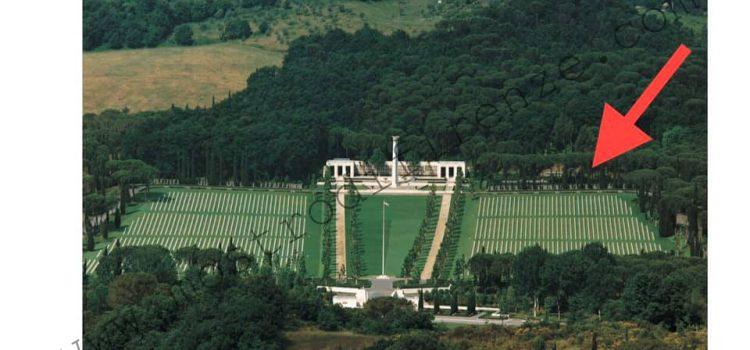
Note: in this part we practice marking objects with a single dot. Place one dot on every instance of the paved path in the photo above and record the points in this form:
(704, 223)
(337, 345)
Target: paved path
(475, 320)
(381, 287)
(340, 232)
(445, 207)
(399, 191)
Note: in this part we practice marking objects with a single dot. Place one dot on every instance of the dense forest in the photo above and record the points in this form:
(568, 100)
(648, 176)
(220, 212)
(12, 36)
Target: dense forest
(228, 299)
(115, 24)
(654, 287)
(473, 89)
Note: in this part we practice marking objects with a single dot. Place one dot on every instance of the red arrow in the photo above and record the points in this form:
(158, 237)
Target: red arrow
(618, 134)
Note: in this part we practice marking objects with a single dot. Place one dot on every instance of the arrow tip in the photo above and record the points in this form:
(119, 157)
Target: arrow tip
(616, 136)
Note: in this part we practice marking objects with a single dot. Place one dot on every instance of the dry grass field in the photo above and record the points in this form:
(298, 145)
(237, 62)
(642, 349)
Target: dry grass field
(150, 79)
(156, 78)
(313, 339)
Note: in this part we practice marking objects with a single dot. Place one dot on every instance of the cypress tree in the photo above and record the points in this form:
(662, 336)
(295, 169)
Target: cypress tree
(454, 303)
(420, 303)
(435, 301)
(472, 304)
(117, 219)
(105, 230)
(458, 270)
(301, 268)
(539, 344)
(85, 277)
(90, 240)
(118, 259)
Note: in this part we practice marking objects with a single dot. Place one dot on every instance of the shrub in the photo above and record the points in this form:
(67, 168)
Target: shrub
(331, 318)
(388, 315)
(183, 35)
(264, 27)
(130, 288)
(236, 29)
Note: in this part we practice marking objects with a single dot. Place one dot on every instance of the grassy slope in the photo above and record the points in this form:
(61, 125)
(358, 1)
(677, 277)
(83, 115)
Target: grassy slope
(156, 78)
(610, 335)
(148, 79)
(313, 339)
(312, 243)
(470, 220)
(403, 218)
(316, 219)
(145, 79)
(402, 223)
(491, 337)
(689, 16)
(318, 16)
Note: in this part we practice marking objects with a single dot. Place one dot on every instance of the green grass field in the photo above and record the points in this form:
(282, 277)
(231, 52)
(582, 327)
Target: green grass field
(558, 222)
(402, 219)
(179, 217)
(176, 218)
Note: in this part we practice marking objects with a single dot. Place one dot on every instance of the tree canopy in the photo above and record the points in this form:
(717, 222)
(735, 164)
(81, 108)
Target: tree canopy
(472, 89)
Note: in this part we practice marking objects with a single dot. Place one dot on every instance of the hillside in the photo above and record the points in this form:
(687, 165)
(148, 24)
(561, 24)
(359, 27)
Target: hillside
(558, 222)
(155, 78)
(472, 89)
(145, 79)
(457, 92)
(176, 218)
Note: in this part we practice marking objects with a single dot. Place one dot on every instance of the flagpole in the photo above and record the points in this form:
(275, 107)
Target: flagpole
(382, 260)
